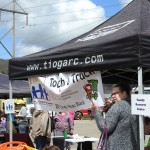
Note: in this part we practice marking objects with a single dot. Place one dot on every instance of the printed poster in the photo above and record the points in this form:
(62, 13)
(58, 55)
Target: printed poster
(67, 91)
(140, 104)
(9, 106)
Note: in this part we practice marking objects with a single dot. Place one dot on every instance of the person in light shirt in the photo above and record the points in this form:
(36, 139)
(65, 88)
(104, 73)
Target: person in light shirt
(23, 122)
(23, 112)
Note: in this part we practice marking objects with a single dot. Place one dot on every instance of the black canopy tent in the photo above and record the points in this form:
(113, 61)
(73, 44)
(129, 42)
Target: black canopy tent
(120, 42)
(119, 47)
(20, 89)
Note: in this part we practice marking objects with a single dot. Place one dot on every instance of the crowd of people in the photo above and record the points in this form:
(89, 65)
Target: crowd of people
(122, 127)
(40, 126)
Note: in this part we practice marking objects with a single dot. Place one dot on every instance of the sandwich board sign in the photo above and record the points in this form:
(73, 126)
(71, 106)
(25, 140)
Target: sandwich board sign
(9, 106)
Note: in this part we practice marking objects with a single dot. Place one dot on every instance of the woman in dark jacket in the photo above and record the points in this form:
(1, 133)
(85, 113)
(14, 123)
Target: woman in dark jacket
(121, 124)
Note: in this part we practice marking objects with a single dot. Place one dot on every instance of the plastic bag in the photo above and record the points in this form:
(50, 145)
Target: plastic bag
(103, 141)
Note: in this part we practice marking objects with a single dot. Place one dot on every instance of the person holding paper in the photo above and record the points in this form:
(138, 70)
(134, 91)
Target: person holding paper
(121, 125)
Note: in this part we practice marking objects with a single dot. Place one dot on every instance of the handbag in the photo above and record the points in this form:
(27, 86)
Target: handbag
(103, 141)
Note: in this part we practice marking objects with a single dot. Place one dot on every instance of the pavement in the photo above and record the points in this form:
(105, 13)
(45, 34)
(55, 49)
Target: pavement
(89, 128)
(86, 128)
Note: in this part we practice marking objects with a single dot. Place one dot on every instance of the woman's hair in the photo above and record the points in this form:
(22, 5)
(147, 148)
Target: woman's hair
(123, 87)
(53, 147)
(147, 120)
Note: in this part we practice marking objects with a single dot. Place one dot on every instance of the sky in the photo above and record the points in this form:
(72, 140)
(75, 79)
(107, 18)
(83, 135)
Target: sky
(50, 23)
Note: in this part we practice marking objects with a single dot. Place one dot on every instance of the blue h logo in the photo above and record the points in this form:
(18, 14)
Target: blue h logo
(9, 107)
(42, 91)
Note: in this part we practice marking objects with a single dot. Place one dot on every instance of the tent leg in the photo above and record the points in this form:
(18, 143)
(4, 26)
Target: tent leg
(141, 118)
(10, 115)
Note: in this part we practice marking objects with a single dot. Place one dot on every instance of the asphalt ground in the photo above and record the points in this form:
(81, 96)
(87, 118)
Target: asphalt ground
(86, 128)
(89, 128)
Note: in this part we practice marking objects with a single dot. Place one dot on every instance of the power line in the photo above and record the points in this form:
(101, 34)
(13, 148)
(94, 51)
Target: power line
(60, 34)
(54, 14)
(52, 37)
(67, 21)
(57, 22)
(6, 5)
(5, 49)
(69, 1)
(62, 13)
(48, 4)
(64, 21)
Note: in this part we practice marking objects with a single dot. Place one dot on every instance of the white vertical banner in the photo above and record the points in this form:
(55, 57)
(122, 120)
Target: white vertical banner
(67, 91)
(9, 106)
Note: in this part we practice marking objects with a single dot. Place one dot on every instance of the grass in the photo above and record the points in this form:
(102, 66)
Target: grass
(86, 118)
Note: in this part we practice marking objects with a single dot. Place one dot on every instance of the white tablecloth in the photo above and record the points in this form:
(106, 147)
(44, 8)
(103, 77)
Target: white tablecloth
(76, 140)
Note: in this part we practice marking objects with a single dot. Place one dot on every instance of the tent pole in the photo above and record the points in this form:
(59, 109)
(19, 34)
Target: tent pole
(10, 115)
(141, 118)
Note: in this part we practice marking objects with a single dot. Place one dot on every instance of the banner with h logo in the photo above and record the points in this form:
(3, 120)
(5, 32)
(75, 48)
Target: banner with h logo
(9, 106)
(67, 91)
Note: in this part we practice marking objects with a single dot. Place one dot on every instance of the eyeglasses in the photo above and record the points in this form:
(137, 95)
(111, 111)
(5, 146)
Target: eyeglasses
(115, 93)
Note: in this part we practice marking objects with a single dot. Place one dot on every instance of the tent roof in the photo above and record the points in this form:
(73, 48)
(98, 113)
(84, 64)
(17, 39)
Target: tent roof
(122, 41)
(20, 89)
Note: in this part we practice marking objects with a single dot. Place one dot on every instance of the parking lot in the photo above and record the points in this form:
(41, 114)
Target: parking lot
(86, 128)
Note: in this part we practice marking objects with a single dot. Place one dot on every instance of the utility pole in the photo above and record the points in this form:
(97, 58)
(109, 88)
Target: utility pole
(13, 28)
(13, 55)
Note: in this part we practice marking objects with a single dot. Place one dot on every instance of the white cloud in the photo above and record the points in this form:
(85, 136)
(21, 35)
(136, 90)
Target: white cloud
(125, 2)
(53, 23)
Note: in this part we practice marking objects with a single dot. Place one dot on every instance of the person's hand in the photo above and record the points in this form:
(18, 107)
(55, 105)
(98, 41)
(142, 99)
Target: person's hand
(71, 133)
(94, 106)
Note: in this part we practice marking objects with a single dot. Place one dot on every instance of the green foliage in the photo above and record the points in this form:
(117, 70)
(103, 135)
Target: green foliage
(3, 66)
(87, 118)
(1, 112)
